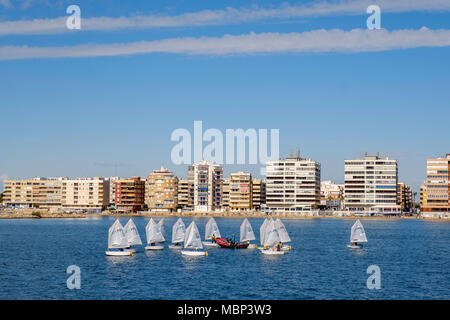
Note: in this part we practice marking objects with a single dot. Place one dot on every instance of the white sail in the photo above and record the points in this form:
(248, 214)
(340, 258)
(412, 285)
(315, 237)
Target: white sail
(212, 229)
(262, 231)
(178, 231)
(153, 233)
(132, 234)
(272, 238)
(116, 236)
(192, 239)
(161, 225)
(246, 232)
(284, 236)
(358, 233)
(270, 222)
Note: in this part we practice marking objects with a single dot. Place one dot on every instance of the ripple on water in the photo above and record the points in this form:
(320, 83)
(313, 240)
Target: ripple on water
(413, 256)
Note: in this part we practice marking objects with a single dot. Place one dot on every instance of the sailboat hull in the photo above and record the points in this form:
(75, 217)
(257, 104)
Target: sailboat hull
(119, 253)
(352, 246)
(154, 248)
(210, 244)
(272, 252)
(194, 253)
(175, 247)
(227, 244)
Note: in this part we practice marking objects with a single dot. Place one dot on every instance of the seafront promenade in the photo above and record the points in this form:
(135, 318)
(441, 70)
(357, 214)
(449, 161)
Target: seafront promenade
(47, 214)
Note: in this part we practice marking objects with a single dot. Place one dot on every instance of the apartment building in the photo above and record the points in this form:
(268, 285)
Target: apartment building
(292, 185)
(207, 182)
(331, 195)
(371, 185)
(130, 194)
(226, 194)
(404, 197)
(436, 194)
(258, 193)
(112, 190)
(33, 193)
(185, 194)
(423, 192)
(91, 194)
(240, 192)
(161, 191)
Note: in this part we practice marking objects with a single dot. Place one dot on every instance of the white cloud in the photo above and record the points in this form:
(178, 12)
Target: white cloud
(222, 17)
(6, 3)
(336, 40)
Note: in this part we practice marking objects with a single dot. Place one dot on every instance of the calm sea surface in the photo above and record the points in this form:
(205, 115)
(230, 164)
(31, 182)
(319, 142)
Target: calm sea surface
(414, 257)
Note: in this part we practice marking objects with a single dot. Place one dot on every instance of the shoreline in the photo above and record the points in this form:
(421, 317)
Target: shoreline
(42, 216)
(48, 215)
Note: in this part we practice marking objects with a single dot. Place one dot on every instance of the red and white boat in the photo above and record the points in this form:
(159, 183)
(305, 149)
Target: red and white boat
(228, 244)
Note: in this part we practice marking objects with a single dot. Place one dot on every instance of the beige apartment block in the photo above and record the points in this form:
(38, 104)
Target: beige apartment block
(91, 194)
(258, 193)
(423, 194)
(161, 191)
(226, 194)
(331, 195)
(292, 185)
(185, 194)
(331, 191)
(33, 193)
(240, 192)
(436, 192)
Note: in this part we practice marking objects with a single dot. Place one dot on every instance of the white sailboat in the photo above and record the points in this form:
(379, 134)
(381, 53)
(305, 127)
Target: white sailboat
(132, 235)
(357, 236)
(272, 241)
(161, 225)
(178, 233)
(154, 236)
(284, 235)
(262, 231)
(211, 232)
(193, 242)
(117, 240)
(246, 234)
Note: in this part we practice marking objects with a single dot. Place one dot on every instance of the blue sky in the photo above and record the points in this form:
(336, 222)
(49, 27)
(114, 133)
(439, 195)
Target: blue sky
(77, 116)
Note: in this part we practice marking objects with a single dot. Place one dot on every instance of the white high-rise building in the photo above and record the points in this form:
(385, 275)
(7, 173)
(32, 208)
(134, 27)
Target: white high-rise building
(207, 180)
(371, 185)
(292, 185)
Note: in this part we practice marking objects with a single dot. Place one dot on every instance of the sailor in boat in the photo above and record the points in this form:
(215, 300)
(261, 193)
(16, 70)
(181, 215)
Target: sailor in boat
(213, 238)
(279, 246)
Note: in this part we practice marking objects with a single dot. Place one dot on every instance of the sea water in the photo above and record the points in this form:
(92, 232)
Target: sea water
(413, 257)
